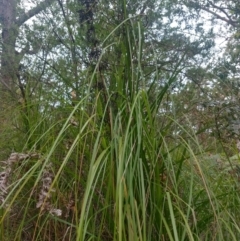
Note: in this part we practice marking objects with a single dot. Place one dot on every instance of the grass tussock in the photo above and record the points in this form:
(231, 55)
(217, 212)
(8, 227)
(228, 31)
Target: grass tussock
(124, 179)
(116, 165)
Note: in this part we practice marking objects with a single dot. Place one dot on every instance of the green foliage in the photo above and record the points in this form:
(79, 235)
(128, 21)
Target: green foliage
(115, 139)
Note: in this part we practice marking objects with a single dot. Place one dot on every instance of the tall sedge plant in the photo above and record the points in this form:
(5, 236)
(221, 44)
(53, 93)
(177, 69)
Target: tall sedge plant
(112, 169)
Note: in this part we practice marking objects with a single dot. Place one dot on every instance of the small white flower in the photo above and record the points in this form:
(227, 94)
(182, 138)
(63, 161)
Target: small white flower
(55, 212)
(39, 204)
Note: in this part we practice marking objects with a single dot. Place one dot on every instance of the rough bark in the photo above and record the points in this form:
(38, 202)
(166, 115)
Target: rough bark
(9, 35)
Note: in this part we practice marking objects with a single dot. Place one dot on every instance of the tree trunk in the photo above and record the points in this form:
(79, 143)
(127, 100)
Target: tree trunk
(9, 65)
(10, 22)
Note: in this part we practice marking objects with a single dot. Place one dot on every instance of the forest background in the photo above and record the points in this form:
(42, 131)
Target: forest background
(119, 120)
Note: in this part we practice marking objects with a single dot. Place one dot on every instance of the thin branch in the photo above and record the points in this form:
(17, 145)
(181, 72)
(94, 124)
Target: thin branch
(229, 21)
(34, 11)
(221, 9)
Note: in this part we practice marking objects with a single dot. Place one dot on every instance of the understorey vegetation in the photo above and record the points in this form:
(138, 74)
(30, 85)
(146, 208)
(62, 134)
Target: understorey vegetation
(119, 120)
